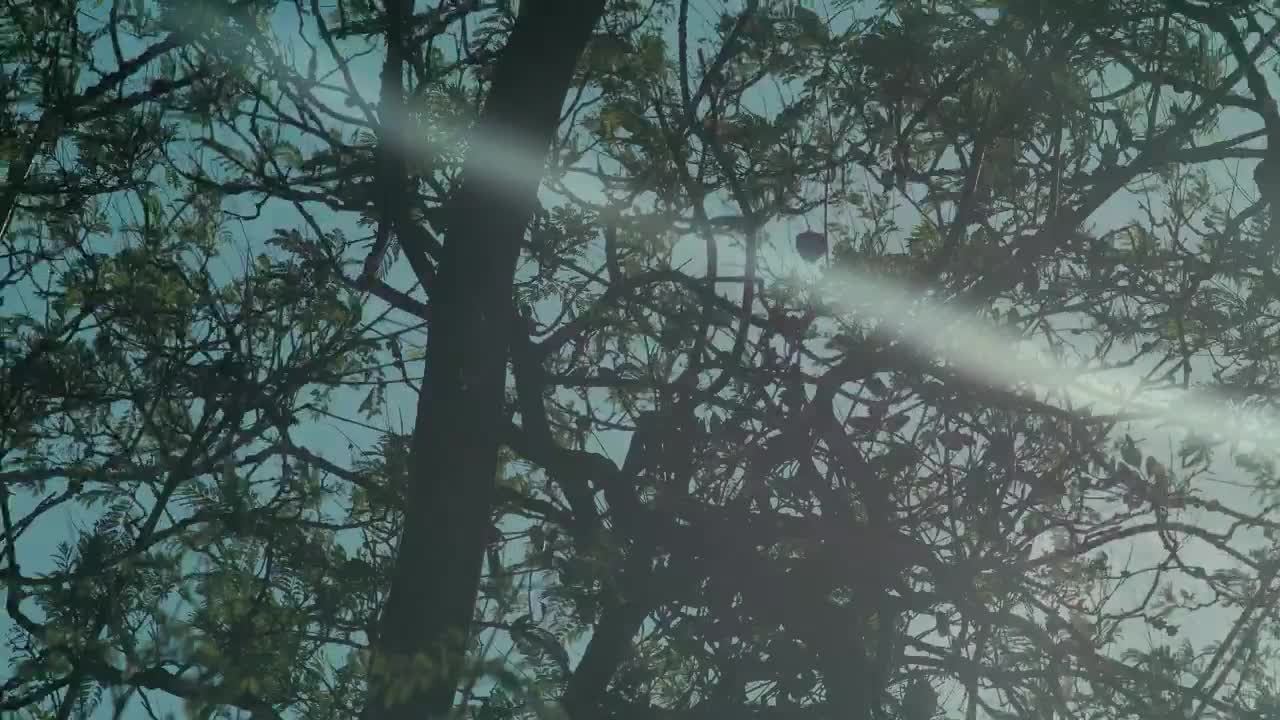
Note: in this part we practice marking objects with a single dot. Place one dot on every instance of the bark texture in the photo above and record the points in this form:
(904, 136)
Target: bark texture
(460, 411)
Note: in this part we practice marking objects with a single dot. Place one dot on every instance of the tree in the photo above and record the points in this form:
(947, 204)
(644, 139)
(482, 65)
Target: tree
(455, 443)
(144, 385)
(775, 500)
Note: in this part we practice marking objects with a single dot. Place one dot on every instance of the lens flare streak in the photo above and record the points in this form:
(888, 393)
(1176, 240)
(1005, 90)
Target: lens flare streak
(985, 353)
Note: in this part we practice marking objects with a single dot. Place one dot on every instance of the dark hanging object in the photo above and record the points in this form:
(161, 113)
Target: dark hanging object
(811, 245)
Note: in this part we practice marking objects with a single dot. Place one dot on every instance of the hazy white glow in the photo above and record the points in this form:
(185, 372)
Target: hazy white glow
(501, 158)
(985, 353)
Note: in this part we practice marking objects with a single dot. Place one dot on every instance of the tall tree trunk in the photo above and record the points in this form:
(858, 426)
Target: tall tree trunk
(453, 458)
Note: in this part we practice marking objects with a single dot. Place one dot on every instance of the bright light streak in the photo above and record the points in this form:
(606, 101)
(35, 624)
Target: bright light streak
(500, 158)
(973, 347)
(985, 353)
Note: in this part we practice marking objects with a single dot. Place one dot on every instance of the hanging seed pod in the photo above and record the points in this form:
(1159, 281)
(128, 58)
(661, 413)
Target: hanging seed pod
(811, 245)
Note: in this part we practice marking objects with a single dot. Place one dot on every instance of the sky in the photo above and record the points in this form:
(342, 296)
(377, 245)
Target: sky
(331, 438)
(327, 438)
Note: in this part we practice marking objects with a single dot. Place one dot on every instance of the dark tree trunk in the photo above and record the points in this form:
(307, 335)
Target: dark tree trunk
(453, 459)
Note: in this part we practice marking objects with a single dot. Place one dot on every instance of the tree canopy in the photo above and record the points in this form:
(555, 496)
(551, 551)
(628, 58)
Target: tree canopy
(639, 359)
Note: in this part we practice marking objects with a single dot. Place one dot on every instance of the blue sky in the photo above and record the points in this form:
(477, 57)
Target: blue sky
(331, 438)
(328, 438)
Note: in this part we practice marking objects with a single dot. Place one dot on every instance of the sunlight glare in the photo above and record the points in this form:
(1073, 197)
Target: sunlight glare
(984, 353)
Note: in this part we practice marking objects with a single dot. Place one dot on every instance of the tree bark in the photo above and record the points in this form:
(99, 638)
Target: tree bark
(453, 457)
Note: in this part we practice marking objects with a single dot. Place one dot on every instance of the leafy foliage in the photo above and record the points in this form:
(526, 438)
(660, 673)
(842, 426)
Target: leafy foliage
(725, 489)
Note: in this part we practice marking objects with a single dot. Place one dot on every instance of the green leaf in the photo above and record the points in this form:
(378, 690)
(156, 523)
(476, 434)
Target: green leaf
(289, 154)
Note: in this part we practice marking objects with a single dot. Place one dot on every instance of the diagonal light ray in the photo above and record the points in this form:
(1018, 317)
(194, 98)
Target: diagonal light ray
(972, 346)
(986, 354)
